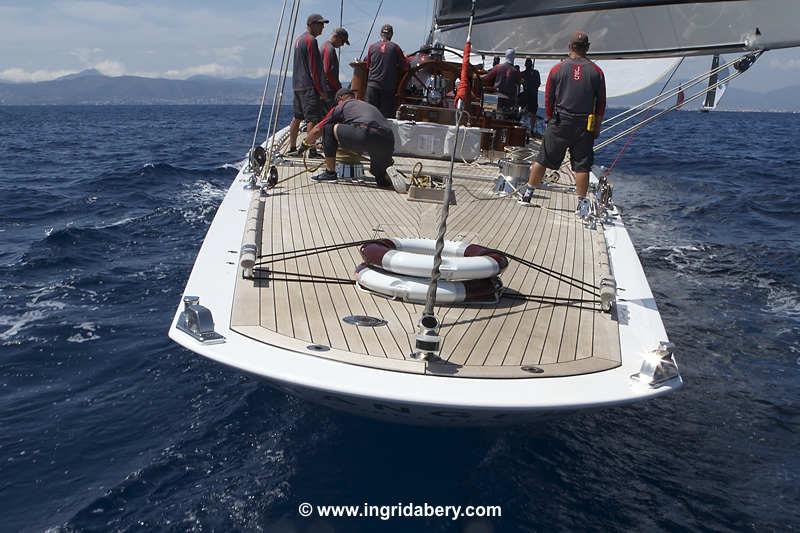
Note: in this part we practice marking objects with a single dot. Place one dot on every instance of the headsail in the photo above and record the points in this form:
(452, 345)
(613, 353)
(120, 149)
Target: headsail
(621, 28)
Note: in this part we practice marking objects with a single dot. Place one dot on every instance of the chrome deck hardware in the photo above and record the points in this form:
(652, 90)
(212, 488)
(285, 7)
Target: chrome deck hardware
(427, 343)
(364, 321)
(659, 366)
(196, 320)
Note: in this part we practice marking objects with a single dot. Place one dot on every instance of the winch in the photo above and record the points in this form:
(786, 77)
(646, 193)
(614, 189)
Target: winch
(514, 169)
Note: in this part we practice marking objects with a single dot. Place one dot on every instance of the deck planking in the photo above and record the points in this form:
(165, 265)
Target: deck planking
(496, 341)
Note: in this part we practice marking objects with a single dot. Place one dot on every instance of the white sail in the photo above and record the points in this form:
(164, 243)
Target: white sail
(623, 76)
(622, 29)
(715, 88)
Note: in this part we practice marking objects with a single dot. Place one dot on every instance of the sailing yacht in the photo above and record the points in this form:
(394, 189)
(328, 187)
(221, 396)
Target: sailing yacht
(445, 301)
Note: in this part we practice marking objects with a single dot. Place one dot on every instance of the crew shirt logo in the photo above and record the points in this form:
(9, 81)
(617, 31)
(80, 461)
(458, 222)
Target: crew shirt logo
(577, 72)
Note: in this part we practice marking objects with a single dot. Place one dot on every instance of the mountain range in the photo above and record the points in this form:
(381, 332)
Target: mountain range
(90, 87)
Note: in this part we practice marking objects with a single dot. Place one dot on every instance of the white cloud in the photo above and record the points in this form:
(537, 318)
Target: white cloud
(229, 54)
(216, 70)
(110, 68)
(21, 75)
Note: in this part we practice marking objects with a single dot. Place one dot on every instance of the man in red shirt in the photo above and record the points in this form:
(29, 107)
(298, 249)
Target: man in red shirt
(330, 62)
(307, 82)
(576, 89)
(505, 79)
(384, 58)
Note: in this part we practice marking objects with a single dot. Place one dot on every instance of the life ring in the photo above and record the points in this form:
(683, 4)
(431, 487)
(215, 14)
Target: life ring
(415, 290)
(414, 257)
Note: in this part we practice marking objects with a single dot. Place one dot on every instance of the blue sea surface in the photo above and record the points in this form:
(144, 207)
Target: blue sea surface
(105, 424)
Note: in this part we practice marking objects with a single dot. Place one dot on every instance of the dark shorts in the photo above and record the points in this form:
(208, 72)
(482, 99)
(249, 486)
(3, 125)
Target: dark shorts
(378, 143)
(382, 99)
(308, 105)
(567, 133)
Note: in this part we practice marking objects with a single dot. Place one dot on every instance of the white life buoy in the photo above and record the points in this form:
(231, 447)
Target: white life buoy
(414, 257)
(415, 290)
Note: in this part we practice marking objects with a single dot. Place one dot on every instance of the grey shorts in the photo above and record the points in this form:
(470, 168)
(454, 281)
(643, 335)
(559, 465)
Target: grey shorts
(567, 133)
(308, 105)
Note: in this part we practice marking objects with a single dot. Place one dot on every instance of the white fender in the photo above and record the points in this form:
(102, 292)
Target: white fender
(415, 290)
(414, 257)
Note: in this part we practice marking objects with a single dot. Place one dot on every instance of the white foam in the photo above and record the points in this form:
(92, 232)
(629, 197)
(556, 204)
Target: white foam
(783, 302)
(38, 311)
(201, 199)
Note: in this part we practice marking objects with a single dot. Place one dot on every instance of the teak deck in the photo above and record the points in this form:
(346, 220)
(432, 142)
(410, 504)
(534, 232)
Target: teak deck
(515, 338)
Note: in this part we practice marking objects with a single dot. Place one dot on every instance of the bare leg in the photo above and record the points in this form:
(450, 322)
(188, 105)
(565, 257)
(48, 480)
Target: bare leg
(536, 175)
(294, 128)
(581, 184)
(330, 164)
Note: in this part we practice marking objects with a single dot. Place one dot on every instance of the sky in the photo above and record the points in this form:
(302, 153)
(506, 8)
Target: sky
(44, 39)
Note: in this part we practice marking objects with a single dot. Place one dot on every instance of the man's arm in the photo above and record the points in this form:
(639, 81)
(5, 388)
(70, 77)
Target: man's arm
(314, 64)
(600, 99)
(550, 92)
(333, 82)
(403, 60)
(366, 59)
(490, 76)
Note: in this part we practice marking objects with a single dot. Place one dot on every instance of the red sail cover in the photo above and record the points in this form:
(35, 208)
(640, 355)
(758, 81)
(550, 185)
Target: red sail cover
(463, 88)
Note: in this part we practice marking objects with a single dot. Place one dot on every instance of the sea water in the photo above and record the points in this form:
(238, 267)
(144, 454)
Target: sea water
(108, 425)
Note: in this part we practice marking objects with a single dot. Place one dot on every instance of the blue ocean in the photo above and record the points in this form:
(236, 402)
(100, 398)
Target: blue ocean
(107, 425)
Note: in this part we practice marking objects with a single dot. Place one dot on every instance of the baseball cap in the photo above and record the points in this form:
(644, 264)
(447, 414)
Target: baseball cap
(579, 38)
(342, 34)
(387, 28)
(344, 91)
(316, 17)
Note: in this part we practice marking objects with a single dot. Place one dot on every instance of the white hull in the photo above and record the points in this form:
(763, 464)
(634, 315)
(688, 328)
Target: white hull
(421, 398)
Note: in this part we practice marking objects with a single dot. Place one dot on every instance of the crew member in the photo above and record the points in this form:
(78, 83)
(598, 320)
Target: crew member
(505, 78)
(575, 101)
(307, 82)
(531, 81)
(357, 126)
(330, 62)
(384, 58)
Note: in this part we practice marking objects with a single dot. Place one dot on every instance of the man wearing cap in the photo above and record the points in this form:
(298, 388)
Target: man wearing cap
(357, 126)
(575, 101)
(505, 78)
(383, 60)
(330, 62)
(307, 82)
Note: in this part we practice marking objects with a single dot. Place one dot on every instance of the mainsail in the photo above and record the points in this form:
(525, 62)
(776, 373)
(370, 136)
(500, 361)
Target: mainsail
(620, 28)
(715, 88)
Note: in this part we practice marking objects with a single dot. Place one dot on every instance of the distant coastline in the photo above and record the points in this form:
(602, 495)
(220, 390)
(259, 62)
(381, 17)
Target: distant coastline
(90, 87)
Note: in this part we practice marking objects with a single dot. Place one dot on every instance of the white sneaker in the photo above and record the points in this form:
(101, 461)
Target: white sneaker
(584, 207)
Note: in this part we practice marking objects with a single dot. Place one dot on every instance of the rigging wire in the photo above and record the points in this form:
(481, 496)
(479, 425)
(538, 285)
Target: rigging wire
(266, 84)
(667, 110)
(630, 139)
(371, 26)
(277, 98)
(616, 120)
(430, 299)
